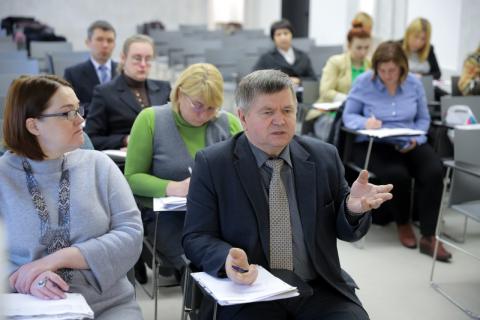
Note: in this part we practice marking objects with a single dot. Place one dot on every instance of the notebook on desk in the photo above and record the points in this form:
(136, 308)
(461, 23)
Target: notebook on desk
(267, 287)
(25, 306)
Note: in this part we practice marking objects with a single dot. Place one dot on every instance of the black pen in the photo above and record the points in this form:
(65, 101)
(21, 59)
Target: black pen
(239, 269)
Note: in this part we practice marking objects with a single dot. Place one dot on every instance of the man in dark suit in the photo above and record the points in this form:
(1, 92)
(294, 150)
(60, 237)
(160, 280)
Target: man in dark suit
(284, 57)
(116, 104)
(239, 187)
(99, 68)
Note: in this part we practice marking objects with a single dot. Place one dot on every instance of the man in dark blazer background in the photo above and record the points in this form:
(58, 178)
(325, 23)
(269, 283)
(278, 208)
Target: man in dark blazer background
(229, 207)
(99, 68)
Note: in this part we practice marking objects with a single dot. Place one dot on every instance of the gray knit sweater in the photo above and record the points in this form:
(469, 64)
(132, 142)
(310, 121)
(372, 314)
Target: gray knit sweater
(105, 225)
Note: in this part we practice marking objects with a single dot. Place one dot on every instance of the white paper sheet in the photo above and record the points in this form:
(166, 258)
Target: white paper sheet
(226, 292)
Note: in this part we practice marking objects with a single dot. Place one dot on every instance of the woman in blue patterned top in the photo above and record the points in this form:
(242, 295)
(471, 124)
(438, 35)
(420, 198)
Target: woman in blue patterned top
(72, 224)
(389, 96)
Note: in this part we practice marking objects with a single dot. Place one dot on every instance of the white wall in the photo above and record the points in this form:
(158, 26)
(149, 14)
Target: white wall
(71, 18)
(259, 14)
(329, 21)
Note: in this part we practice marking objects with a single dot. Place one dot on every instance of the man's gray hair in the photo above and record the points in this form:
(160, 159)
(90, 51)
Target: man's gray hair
(261, 82)
(99, 24)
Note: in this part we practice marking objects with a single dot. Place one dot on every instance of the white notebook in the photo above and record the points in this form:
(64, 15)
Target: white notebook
(25, 306)
(267, 287)
(391, 132)
(170, 204)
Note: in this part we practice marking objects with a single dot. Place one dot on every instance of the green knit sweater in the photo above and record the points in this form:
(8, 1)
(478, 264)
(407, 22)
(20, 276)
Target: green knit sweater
(140, 150)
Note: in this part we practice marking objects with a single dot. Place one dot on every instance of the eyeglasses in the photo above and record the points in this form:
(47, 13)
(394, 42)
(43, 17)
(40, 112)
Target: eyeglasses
(199, 107)
(69, 115)
(138, 59)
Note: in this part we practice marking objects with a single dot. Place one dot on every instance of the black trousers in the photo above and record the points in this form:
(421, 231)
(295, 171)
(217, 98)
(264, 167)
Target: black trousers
(324, 304)
(392, 166)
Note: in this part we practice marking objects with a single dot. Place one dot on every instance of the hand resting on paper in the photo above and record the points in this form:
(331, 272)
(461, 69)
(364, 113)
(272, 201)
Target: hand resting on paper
(365, 196)
(237, 257)
(178, 188)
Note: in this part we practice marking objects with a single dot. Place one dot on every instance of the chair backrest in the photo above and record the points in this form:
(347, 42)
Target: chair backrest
(14, 55)
(473, 102)
(225, 60)
(19, 66)
(320, 54)
(454, 86)
(304, 44)
(5, 82)
(466, 187)
(40, 49)
(8, 46)
(59, 61)
(311, 91)
(427, 82)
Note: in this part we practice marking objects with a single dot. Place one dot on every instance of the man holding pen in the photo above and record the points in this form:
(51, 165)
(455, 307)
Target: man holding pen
(266, 197)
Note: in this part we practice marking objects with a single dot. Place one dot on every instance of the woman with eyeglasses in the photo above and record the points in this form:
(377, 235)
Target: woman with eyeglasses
(116, 104)
(163, 144)
(71, 222)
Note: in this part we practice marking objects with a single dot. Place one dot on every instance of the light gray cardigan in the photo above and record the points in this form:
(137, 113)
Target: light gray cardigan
(105, 225)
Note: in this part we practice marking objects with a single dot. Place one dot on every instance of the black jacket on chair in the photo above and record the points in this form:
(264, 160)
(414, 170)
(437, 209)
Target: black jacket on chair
(301, 68)
(114, 108)
(83, 79)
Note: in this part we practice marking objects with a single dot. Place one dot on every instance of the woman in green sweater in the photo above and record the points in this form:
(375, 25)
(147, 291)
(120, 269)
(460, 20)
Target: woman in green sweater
(163, 143)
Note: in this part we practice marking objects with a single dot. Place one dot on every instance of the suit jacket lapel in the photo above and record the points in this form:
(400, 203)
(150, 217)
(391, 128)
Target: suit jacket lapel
(114, 69)
(91, 74)
(247, 171)
(154, 93)
(126, 94)
(305, 177)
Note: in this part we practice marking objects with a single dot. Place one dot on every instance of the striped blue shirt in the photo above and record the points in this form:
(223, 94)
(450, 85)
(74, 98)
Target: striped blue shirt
(406, 109)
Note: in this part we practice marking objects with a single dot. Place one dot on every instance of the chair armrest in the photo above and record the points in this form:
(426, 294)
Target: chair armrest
(463, 167)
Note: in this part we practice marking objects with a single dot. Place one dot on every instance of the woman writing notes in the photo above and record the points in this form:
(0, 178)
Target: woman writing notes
(389, 97)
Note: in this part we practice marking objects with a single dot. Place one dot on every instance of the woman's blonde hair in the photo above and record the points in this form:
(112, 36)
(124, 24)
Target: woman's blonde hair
(416, 26)
(201, 80)
(471, 70)
(129, 41)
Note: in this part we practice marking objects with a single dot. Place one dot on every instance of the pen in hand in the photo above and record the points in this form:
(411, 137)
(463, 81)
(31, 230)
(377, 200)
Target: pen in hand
(239, 269)
(190, 170)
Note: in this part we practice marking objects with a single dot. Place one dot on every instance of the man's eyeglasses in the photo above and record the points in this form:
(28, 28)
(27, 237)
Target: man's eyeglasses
(138, 59)
(199, 107)
(69, 115)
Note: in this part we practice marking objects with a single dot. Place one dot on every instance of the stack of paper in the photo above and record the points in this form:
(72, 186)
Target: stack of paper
(170, 204)
(24, 306)
(226, 292)
(328, 106)
(391, 132)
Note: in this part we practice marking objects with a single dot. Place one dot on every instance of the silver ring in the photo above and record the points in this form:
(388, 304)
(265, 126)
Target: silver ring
(42, 283)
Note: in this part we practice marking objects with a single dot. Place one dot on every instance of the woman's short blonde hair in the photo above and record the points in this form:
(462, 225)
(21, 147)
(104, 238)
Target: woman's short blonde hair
(416, 26)
(200, 80)
(471, 70)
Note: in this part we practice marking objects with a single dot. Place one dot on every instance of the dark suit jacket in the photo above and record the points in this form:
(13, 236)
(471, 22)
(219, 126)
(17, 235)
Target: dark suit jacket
(83, 79)
(227, 208)
(114, 108)
(301, 68)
